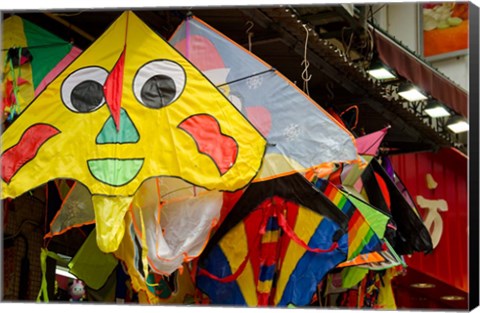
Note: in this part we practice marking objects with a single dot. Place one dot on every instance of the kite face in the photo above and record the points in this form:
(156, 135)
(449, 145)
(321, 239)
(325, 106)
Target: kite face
(130, 108)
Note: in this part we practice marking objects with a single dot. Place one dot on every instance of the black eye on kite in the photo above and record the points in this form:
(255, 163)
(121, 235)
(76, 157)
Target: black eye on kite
(159, 83)
(82, 91)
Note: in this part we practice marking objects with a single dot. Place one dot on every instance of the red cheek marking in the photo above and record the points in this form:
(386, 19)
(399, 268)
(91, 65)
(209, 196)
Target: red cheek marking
(26, 149)
(210, 141)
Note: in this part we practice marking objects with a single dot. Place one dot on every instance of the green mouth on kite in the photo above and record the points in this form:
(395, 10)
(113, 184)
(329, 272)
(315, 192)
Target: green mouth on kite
(115, 172)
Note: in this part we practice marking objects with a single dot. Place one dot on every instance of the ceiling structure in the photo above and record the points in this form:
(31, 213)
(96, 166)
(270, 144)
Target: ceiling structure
(339, 48)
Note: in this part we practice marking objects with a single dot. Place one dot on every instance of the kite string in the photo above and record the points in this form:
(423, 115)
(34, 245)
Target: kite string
(353, 107)
(229, 278)
(15, 106)
(249, 34)
(305, 76)
(160, 200)
(289, 231)
(144, 247)
(187, 38)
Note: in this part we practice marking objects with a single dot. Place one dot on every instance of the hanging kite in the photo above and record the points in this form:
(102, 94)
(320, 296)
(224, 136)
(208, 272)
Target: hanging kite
(122, 113)
(411, 234)
(372, 184)
(29, 53)
(366, 226)
(300, 134)
(368, 248)
(344, 189)
(275, 245)
(370, 144)
(69, 204)
(338, 183)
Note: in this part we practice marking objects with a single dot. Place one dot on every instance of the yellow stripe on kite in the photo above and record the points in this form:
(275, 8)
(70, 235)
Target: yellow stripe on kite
(305, 226)
(271, 236)
(265, 286)
(235, 247)
(337, 198)
(360, 235)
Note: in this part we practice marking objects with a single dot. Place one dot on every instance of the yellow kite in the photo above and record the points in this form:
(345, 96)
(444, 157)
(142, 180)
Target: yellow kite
(129, 108)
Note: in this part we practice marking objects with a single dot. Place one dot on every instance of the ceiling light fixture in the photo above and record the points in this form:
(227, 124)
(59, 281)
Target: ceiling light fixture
(380, 71)
(422, 285)
(436, 109)
(457, 124)
(411, 93)
(452, 298)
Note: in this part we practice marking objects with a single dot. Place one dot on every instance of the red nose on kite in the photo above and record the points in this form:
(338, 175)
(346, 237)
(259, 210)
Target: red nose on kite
(112, 89)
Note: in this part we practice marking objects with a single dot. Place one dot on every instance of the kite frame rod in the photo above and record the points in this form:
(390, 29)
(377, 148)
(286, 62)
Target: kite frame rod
(246, 77)
(70, 26)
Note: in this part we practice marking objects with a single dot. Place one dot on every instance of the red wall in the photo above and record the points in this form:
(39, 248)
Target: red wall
(449, 260)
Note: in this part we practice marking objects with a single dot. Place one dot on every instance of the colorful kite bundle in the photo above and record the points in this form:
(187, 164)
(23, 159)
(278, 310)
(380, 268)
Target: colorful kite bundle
(207, 174)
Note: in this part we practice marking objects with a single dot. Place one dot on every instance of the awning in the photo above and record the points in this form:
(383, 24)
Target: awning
(409, 66)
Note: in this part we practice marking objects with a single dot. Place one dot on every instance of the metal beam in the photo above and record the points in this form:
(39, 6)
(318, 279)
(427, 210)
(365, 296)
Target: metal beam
(322, 18)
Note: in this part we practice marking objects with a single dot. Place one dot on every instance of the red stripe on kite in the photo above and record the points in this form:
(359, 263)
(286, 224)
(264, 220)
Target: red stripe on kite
(26, 149)
(210, 141)
(113, 89)
(383, 187)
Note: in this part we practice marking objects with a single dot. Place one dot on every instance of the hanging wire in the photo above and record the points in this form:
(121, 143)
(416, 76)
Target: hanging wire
(331, 94)
(370, 44)
(305, 76)
(69, 14)
(249, 34)
(347, 47)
